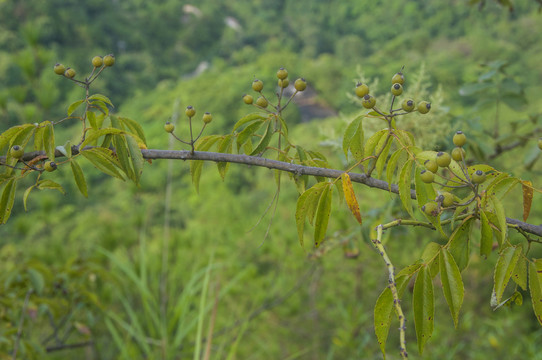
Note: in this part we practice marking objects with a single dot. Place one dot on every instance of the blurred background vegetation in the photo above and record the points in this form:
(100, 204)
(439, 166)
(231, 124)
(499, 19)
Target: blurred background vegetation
(160, 271)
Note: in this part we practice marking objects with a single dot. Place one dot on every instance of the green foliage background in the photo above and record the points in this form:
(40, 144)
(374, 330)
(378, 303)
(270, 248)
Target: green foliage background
(328, 314)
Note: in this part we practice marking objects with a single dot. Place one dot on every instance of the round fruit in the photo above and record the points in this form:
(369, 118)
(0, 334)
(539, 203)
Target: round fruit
(248, 99)
(257, 85)
(190, 111)
(97, 61)
(424, 107)
(397, 89)
(69, 73)
(478, 177)
(408, 105)
(207, 117)
(109, 60)
(447, 199)
(443, 159)
(262, 102)
(368, 101)
(540, 143)
(59, 69)
(427, 176)
(282, 73)
(431, 165)
(362, 90)
(50, 166)
(459, 139)
(398, 78)
(458, 154)
(430, 209)
(16, 152)
(283, 83)
(169, 127)
(300, 84)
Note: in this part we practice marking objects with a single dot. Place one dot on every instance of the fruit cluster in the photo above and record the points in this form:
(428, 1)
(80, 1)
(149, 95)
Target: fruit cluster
(98, 62)
(190, 112)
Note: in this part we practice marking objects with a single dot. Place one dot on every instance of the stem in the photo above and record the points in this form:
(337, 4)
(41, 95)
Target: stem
(21, 322)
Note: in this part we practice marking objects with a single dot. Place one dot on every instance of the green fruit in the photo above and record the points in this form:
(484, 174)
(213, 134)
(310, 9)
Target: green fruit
(59, 69)
(398, 78)
(431, 165)
(362, 90)
(443, 159)
(300, 84)
(248, 99)
(207, 117)
(397, 89)
(169, 127)
(190, 111)
(69, 73)
(97, 61)
(50, 166)
(282, 73)
(262, 102)
(458, 154)
(459, 139)
(257, 85)
(408, 105)
(283, 83)
(447, 199)
(430, 209)
(424, 107)
(478, 177)
(368, 101)
(109, 60)
(427, 176)
(540, 143)
(16, 152)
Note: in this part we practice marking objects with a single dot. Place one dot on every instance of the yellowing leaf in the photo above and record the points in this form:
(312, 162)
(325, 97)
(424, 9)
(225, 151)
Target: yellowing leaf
(350, 196)
(527, 198)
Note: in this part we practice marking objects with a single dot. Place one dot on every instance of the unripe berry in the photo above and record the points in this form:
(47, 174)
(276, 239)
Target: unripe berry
(408, 105)
(69, 73)
(59, 69)
(368, 101)
(397, 89)
(446, 198)
(459, 139)
(16, 152)
(540, 143)
(50, 166)
(430, 209)
(398, 78)
(248, 99)
(283, 83)
(478, 177)
(458, 154)
(300, 84)
(190, 111)
(169, 127)
(257, 85)
(427, 176)
(431, 165)
(362, 90)
(207, 117)
(97, 61)
(443, 159)
(109, 60)
(282, 73)
(262, 102)
(424, 107)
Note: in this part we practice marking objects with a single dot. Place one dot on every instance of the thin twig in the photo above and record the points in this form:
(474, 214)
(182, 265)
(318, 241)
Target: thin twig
(21, 322)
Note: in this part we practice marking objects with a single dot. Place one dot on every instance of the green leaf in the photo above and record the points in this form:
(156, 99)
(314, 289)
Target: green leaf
(382, 159)
(392, 165)
(103, 160)
(353, 138)
(404, 186)
(73, 106)
(262, 145)
(49, 140)
(520, 273)
(50, 184)
(373, 141)
(91, 117)
(25, 195)
(246, 119)
(36, 280)
(136, 156)
(224, 146)
(6, 202)
(306, 207)
(506, 264)
(459, 244)
(38, 138)
(248, 132)
(322, 215)
(93, 135)
(134, 127)
(471, 89)
(486, 240)
(535, 287)
(204, 144)
(424, 308)
(501, 218)
(452, 284)
(121, 149)
(101, 98)
(10, 134)
(79, 178)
